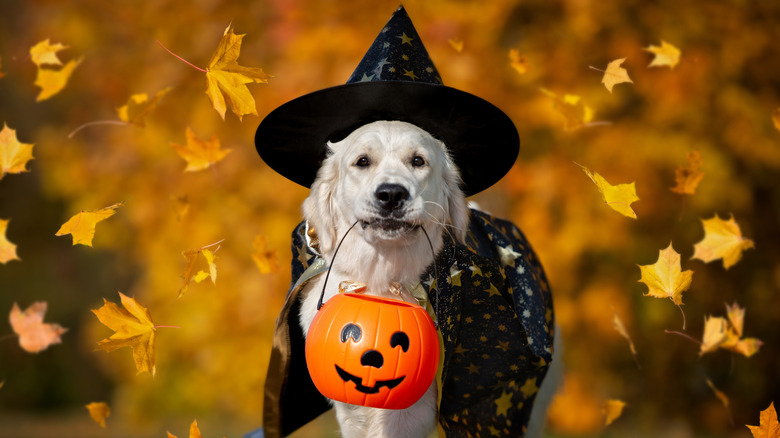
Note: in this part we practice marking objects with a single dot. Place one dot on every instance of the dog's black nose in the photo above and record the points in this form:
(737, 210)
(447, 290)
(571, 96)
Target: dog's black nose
(372, 358)
(391, 197)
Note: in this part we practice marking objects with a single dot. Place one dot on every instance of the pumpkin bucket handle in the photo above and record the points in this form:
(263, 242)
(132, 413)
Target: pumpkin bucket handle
(435, 268)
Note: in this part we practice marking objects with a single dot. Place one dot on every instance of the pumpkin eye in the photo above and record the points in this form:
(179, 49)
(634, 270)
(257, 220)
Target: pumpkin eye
(351, 331)
(400, 338)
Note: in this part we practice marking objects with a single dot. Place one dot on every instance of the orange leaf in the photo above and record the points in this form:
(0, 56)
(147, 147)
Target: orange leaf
(266, 260)
(34, 335)
(7, 249)
(133, 328)
(200, 154)
(768, 425)
(612, 409)
(13, 155)
(82, 225)
(688, 177)
(99, 411)
(456, 43)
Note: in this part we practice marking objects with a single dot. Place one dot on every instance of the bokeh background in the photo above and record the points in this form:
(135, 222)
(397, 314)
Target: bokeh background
(718, 100)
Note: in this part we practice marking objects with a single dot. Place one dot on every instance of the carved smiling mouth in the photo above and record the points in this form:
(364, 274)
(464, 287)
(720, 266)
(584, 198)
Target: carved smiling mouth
(347, 377)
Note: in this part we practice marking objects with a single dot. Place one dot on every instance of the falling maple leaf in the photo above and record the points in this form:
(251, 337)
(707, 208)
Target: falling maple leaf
(189, 275)
(82, 225)
(726, 333)
(7, 249)
(619, 197)
(45, 53)
(265, 259)
(621, 329)
(456, 43)
(722, 239)
(194, 431)
(665, 55)
(519, 63)
(98, 411)
(768, 426)
(133, 328)
(200, 154)
(719, 394)
(665, 278)
(688, 177)
(138, 107)
(576, 113)
(34, 335)
(612, 409)
(614, 74)
(53, 81)
(13, 154)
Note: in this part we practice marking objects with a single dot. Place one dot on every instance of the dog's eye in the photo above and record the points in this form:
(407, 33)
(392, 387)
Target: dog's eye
(418, 161)
(362, 162)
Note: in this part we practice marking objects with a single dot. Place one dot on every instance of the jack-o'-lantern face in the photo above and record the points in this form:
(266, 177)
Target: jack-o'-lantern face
(372, 351)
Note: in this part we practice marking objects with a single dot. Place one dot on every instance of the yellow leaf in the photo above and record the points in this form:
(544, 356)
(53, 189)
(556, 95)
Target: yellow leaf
(52, 82)
(46, 53)
(200, 154)
(718, 393)
(715, 333)
(519, 63)
(688, 177)
(722, 239)
(191, 255)
(621, 329)
(138, 107)
(615, 74)
(227, 79)
(82, 225)
(768, 426)
(612, 409)
(34, 335)
(576, 113)
(665, 55)
(13, 155)
(727, 334)
(265, 259)
(456, 43)
(99, 411)
(618, 197)
(133, 328)
(665, 278)
(7, 249)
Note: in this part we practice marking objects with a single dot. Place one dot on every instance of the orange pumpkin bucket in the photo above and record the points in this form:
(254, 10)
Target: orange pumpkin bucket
(372, 351)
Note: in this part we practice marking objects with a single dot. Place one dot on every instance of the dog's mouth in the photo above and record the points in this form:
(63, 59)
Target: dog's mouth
(388, 225)
(347, 377)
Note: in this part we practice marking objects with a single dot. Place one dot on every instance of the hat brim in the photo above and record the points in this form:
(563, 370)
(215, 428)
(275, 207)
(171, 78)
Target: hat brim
(481, 138)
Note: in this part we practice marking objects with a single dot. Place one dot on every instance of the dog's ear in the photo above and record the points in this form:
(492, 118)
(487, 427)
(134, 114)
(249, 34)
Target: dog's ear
(318, 208)
(457, 208)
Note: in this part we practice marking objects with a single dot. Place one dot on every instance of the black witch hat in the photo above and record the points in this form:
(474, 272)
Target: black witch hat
(395, 80)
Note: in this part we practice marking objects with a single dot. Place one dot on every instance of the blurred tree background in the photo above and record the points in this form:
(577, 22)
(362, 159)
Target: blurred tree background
(719, 101)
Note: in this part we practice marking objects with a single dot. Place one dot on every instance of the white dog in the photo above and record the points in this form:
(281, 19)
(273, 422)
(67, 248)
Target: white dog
(393, 179)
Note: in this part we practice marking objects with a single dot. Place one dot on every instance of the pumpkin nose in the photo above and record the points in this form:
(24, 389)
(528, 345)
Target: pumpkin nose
(372, 358)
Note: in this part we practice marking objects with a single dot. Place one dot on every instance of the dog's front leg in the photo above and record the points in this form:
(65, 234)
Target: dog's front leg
(417, 421)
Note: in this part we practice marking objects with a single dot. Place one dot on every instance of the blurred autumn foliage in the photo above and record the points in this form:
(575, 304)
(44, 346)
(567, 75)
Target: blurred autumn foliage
(535, 59)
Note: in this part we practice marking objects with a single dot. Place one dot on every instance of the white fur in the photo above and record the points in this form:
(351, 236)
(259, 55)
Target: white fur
(343, 193)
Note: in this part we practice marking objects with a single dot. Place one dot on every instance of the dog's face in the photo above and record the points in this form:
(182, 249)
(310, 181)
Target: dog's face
(392, 178)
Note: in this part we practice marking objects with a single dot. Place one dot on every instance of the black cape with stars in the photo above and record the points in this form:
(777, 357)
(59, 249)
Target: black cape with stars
(496, 320)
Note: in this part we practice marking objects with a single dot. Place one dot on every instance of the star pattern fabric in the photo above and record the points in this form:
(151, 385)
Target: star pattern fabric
(397, 54)
(495, 320)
